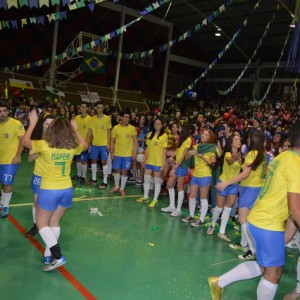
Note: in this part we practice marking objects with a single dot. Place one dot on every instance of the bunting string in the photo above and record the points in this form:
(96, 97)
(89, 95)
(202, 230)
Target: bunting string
(231, 88)
(8, 4)
(275, 71)
(221, 53)
(182, 37)
(41, 20)
(90, 45)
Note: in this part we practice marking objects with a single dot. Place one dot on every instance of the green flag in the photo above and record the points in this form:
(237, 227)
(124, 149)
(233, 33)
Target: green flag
(93, 62)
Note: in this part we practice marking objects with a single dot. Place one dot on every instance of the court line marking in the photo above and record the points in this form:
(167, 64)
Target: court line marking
(80, 199)
(224, 262)
(65, 273)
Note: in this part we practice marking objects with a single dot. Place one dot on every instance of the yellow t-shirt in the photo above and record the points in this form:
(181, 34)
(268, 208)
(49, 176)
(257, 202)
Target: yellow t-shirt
(271, 208)
(185, 145)
(83, 124)
(56, 165)
(99, 128)
(229, 171)
(123, 139)
(155, 148)
(256, 177)
(201, 167)
(10, 132)
(38, 166)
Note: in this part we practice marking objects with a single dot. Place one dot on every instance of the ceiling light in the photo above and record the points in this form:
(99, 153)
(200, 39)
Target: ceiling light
(217, 34)
(292, 25)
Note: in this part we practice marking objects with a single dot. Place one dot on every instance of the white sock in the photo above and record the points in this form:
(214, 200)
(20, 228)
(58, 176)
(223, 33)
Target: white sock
(157, 187)
(204, 209)
(248, 237)
(33, 214)
(244, 241)
(83, 171)
(56, 231)
(123, 182)
(224, 219)
(78, 166)
(192, 206)
(117, 180)
(298, 275)
(216, 215)
(105, 173)
(266, 290)
(246, 270)
(180, 199)
(172, 197)
(48, 236)
(94, 171)
(147, 182)
(5, 199)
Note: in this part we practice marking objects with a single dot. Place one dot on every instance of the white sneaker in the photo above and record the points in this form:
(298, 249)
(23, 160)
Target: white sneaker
(176, 213)
(55, 263)
(168, 209)
(293, 244)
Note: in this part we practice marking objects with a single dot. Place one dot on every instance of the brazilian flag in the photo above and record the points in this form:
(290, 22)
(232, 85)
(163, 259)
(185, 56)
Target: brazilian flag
(93, 62)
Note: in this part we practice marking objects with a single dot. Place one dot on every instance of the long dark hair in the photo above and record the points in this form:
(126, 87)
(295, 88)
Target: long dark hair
(228, 148)
(37, 133)
(184, 134)
(61, 135)
(161, 132)
(257, 143)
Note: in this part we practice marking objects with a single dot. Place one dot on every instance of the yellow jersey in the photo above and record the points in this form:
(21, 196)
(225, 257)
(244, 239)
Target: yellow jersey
(123, 136)
(270, 210)
(99, 127)
(185, 145)
(10, 132)
(256, 177)
(83, 124)
(38, 166)
(155, 148)
(202, 169)
(56, 165)
(229, 171)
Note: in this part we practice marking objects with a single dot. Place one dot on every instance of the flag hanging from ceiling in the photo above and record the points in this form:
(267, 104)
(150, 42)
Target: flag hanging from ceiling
(21, 84)
(94, 62)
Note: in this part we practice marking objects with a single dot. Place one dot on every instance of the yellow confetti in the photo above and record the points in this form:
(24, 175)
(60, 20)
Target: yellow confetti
(290, 255)
(151, 244)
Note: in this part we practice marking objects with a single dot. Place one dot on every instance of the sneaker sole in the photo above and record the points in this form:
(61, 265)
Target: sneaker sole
(246, 259)
(196, 225)
(50, 268)
(244, 250)
(167, 211)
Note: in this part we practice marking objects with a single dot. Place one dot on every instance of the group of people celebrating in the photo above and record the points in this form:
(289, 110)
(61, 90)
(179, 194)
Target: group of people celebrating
(224, 163)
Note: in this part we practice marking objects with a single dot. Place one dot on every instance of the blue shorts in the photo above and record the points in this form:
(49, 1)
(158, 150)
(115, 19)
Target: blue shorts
(83, 157)
(181, 172)
(36, 183)
(7, 173)
(232, 189)
(152, 168)
(269, 245)
(97, 151)
(248, 196)
(122, 163)
(201, 181)
(51, 199)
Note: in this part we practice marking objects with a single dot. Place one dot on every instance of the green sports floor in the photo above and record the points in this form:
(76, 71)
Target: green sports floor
(130, 252)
